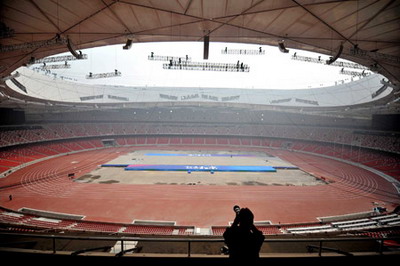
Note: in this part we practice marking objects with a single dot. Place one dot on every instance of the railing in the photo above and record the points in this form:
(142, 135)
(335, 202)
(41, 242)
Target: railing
(311, 244)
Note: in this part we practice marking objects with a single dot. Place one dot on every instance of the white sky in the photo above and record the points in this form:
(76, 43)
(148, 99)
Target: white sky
(273, 70)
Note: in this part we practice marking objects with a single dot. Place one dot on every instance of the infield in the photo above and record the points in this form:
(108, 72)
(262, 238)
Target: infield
(285, 174)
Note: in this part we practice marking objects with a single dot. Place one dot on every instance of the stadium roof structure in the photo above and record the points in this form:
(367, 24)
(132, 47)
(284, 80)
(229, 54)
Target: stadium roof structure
(366, 32)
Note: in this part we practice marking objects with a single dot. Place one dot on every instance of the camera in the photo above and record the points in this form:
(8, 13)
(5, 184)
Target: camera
(236, 209)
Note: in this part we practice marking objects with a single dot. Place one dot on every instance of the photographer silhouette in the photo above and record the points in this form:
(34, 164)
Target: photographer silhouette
(243, 239)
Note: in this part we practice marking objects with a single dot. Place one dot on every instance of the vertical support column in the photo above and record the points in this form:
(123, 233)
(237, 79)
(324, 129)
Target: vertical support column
(320, 249)
(54, 244)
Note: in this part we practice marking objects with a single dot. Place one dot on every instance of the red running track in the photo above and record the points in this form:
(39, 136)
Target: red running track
(46, 186)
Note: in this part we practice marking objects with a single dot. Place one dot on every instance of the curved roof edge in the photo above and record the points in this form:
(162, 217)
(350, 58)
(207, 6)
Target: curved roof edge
(35, 86)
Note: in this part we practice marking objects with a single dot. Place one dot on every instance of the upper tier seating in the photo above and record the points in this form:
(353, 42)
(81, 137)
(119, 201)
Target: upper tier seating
(338, 136)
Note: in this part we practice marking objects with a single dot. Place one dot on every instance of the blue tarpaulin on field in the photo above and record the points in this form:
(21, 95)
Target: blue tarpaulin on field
(205, 168)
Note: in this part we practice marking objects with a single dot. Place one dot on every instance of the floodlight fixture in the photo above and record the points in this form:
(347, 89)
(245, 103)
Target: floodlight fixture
(72, 50)
(379, 91)
(282, 48)
(54, 59)
(57, 66)
(354, 73)
(258, 51)
(337, 63)
(168, 58)
(334, 58)
(205, 66)
(58, 40)
(116, 73)
(373, 55)
(128, 44)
